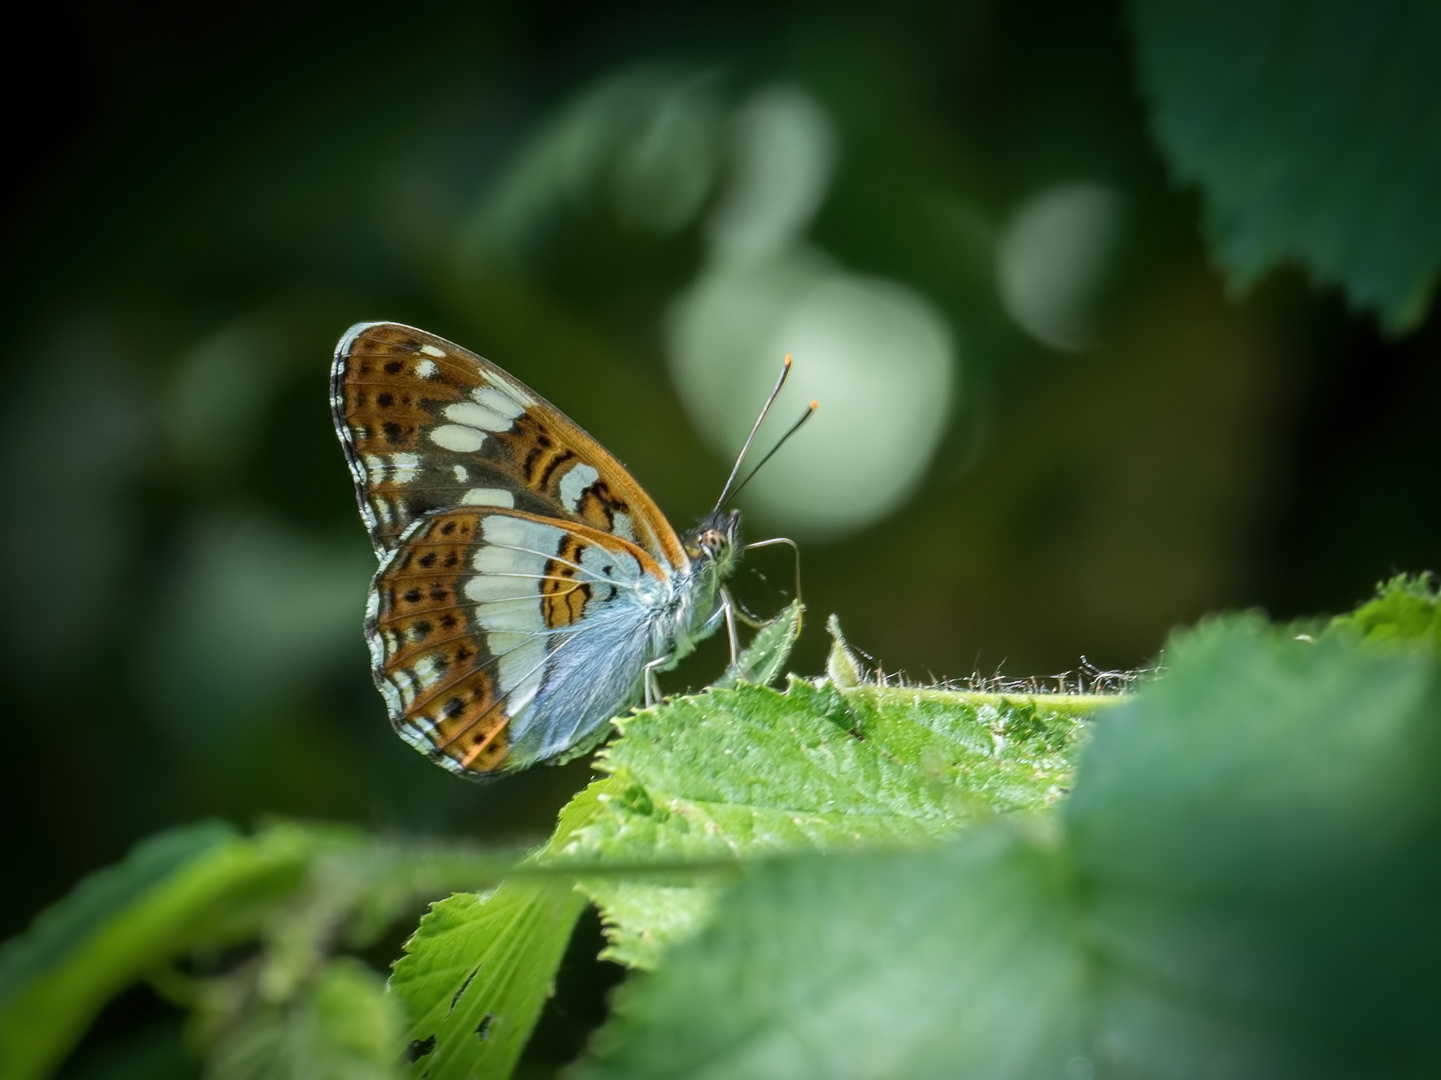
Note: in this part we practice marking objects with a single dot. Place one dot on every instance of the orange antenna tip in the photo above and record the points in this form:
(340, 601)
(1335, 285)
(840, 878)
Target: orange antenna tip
(815, 405)
(728, 491)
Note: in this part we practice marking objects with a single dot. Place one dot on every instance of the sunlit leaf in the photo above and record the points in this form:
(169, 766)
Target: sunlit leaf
(476, 973)
(1311, 128)
(749, 772)
(765, 657)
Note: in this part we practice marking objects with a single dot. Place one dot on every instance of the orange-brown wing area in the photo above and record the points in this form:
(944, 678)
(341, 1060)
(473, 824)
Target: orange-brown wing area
(468, 614)
(428, 425)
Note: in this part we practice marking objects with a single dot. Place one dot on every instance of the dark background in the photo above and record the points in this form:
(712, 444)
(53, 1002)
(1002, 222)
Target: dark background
(199, 202)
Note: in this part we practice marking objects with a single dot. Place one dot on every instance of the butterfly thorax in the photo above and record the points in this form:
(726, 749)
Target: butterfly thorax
(714, 548)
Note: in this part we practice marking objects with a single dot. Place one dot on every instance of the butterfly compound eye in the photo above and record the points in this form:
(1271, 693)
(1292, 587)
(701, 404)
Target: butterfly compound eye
(713, 541)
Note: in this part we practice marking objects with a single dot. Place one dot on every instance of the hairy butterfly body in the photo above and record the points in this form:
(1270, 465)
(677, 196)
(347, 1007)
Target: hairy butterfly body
(528, 587)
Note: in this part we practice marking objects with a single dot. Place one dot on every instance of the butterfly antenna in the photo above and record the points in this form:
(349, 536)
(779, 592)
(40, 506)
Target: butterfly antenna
(726, 492)
(810, 411)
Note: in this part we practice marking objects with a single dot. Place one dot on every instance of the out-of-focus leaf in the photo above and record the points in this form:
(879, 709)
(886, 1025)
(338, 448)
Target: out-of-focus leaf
(65, 926)
(345, 1027)
(476, 973)
(1258, 846)
(151, 1052)
(1313, 129)
(750, 772)
(646, 139)
(355, 888)
(944, 964)
(1243, 884)
(294, 887)
(199, 883)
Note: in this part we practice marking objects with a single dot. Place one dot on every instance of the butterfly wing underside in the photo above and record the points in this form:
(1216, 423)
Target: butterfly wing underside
(508, 620)
(500, 638)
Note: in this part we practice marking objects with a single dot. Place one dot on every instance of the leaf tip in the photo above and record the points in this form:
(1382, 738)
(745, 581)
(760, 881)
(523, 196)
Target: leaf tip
(842, 667)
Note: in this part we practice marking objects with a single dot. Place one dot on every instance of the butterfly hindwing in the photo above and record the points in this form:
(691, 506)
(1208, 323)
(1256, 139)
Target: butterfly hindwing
(428, 425)
(500, 638)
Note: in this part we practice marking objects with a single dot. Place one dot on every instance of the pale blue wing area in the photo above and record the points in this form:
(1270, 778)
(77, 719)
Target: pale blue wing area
(592, 673)
(584, 673)
(501, 639)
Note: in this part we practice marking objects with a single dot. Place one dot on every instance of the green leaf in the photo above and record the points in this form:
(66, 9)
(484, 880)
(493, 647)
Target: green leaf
(751, 772)
(201, 883)
(296, 888)
(1243, 883)
(842, 667)
(765, 657)
(64, 927)
(355, 888)
(754, 771)
(1406, 609)
(945, 964)
(345, 1027)
(476, 973)
(1257, 844)
(1310, 127)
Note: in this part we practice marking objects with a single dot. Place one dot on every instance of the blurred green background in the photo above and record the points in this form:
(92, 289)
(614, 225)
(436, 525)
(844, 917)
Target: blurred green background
(1047, 432)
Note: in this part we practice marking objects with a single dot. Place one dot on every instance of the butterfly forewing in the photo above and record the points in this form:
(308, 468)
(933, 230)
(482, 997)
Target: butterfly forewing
(480, 615)
(428, 425)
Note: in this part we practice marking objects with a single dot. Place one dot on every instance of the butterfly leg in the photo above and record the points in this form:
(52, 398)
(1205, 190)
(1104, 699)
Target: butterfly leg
(652, 687)
(728, 606)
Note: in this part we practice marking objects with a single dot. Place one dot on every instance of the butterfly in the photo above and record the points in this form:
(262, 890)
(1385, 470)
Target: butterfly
(528, 589)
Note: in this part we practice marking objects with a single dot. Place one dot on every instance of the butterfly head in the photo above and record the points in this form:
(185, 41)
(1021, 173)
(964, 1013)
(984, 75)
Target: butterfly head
(717, 541)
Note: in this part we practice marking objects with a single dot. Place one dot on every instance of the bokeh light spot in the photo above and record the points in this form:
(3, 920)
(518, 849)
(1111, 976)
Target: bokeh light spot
(876, 356)
(1053, 258)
